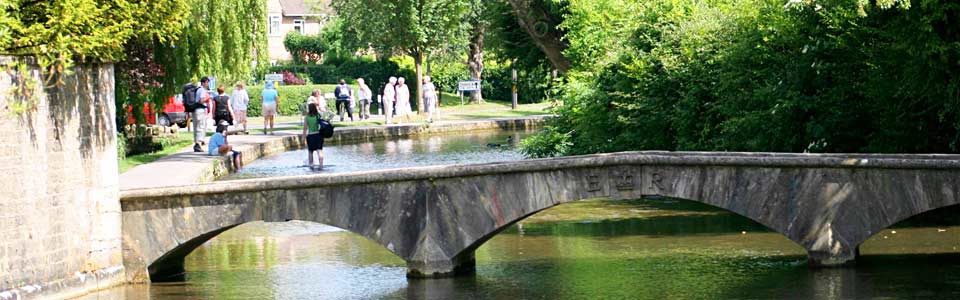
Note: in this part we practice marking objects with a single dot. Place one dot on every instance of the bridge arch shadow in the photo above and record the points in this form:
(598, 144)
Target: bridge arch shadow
(697, 218)
(170, 267)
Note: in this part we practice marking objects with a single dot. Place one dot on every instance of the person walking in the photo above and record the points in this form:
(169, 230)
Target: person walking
(222, 112)
(239, 100)
(270, 103)
(344, 95)
(199, 116)
(403, 99)
(429, 98)
(389, 100)
(312, 136)
(363, 99)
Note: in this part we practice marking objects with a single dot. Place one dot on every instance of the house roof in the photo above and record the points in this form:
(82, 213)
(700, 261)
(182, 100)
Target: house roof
(305, 8)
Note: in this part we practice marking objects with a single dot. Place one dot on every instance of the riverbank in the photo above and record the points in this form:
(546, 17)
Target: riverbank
(186, 167)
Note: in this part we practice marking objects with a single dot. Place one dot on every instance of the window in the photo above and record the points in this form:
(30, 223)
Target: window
(298, 25)
(274, 28)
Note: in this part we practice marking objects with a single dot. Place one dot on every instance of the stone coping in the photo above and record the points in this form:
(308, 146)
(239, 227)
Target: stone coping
(763, 160)
(205, 169)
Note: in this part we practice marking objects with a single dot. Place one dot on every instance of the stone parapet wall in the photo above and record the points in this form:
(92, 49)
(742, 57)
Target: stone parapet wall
(59, 208)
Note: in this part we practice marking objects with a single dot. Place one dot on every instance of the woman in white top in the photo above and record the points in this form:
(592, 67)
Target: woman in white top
(403, 99)
(238, 102)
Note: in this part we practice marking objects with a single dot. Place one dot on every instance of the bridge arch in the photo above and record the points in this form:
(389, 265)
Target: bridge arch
(466, 254)
(433, 217)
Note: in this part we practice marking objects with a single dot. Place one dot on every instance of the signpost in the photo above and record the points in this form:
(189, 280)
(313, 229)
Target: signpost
(277, 78)
(467, 86)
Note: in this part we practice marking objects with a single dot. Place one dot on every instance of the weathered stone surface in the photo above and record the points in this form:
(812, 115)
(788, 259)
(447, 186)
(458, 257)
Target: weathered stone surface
(434, 217)
(59, 203)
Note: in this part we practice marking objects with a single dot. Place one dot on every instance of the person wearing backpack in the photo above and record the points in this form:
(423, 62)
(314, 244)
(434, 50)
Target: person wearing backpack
(344, 94)
(313, 126)
(194, 98)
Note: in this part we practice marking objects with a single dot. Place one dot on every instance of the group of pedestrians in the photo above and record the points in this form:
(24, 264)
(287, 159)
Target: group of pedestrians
(396, 99)
(232, 110)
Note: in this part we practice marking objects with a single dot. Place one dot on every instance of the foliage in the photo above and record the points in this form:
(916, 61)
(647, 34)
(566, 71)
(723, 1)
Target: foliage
(121, 146)
(291, 79)
(305, 48)
(228, 44)
(374, 72)
(756, 76)
(59, 31)
(291, 98)
(414, 28)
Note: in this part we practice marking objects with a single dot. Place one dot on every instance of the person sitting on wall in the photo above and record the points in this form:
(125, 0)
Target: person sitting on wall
(218, 146)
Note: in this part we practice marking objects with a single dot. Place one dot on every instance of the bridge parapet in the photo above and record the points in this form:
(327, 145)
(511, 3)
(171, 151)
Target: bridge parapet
(434, 217)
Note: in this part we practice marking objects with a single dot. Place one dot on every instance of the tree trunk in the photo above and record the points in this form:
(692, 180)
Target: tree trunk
(475, 60)
(541, 27)
(418, 62)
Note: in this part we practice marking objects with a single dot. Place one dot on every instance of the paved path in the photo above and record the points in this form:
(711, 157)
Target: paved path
(187, 167)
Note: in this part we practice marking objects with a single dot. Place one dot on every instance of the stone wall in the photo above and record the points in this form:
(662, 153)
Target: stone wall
(59, 208)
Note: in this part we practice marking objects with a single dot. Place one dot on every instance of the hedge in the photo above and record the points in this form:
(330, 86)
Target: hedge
(374, 72)
(291, 98)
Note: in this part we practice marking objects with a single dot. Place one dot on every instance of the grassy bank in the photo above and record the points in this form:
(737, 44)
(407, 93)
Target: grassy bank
(182, 140)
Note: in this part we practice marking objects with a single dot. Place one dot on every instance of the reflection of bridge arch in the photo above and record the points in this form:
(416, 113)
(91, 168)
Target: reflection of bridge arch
(434, 217)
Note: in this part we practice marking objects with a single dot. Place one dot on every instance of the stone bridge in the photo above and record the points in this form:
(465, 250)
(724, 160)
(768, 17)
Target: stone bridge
(434, 217)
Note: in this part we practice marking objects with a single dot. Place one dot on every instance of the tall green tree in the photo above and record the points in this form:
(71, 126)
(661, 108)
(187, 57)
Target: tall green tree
(408, 27)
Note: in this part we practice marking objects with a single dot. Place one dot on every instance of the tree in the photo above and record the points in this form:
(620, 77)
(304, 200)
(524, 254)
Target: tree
(540, 18)
(478, 20)
(410, 27)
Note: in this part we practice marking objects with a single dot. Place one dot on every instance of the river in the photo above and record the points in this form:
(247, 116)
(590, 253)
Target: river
(636, 249)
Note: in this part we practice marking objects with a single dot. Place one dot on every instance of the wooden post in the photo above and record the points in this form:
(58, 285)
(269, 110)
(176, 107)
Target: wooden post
(514, 103)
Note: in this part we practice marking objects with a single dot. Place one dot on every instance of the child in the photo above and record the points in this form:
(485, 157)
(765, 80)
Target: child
(312, 135)
(218, 146)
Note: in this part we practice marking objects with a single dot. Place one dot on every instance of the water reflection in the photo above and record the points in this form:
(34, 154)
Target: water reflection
(455, 148)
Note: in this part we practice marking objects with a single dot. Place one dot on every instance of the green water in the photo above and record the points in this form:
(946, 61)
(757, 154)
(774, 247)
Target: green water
(641, 249)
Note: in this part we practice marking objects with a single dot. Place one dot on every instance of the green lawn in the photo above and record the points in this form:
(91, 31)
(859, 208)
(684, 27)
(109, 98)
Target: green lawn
(450, 109)
(183, 140)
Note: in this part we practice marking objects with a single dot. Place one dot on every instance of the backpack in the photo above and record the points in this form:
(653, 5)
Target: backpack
(342, 92)
(325, 127)
(190, 101)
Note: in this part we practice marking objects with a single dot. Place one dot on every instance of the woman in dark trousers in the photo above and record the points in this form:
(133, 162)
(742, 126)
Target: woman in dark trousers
(312, 135)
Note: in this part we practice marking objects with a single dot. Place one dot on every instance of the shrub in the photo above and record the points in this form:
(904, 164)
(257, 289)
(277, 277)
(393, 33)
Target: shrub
(292, 97)
(291, 79)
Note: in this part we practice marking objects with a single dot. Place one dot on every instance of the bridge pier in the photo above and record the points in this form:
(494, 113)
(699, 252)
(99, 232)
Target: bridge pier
(843, 257)
(465, 263)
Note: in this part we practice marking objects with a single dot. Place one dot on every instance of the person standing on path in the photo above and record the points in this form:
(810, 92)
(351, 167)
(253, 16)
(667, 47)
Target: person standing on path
(238, 102)
(316, 97)
(271, 101)
(389, 98)
(344, 96)
(200, 114)
(429, 98)
(403, 99)
(363, 99)
(312, 135)
(222, 112)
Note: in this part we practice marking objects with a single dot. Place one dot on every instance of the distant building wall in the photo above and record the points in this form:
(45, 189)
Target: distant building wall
(59, 208)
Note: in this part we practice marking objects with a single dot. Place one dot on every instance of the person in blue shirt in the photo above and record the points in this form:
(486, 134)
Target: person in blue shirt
(271, 101)
(218, 146)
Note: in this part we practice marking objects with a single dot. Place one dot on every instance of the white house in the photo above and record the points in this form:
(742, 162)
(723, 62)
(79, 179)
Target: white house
(284, 16)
